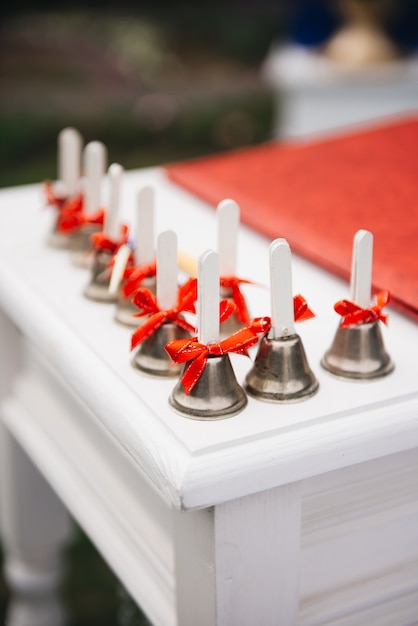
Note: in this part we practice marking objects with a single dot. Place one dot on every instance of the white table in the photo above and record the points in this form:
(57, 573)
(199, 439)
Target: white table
(303, 513)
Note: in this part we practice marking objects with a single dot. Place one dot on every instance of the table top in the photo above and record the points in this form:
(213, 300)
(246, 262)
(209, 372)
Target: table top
(195, 463)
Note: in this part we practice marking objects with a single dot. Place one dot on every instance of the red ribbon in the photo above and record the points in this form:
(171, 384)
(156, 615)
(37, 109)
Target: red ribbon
(353, 314)
(182, 350)
(101, 242)
(147, 303)
(134, 276)
(301, 312)
(52, 199)
(301, 309)
(233, 283)
(72, 216)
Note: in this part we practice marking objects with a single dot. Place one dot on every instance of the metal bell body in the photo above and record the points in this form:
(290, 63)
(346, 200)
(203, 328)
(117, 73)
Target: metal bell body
(82, 255)
(126, 310)
(281, 372)
(232, 324)
(77, 241)
(358, 352)
(98, 288)
(152, 357)
(57, 240)
(216, 395)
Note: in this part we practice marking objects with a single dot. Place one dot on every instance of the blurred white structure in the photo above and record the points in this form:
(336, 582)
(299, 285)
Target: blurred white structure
(316, 94)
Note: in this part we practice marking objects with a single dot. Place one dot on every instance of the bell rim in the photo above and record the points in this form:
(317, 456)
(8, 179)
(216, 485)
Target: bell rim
(125, 315)
(283, 398)
(207, 415)
(170, 372)
(99, 293)
(170, 369)
(123, 321)
(358, 376)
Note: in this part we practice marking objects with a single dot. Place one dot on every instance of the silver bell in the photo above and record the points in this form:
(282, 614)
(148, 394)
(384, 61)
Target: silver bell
(358, 352)
(77, 241)
(58, 240)
(281, 372)
(98, 288)
(216, 395)
(151, 356)
(126, 311)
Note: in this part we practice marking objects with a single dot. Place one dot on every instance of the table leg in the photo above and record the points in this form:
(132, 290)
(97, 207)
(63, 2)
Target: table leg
(35, 526)
(238, 563)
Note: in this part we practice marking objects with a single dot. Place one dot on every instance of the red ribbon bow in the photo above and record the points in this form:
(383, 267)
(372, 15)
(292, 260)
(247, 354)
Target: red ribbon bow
(147, 302)
(72, 216)
(233, 283)
(134, 276)
(301, 312)
(353, 314)
(52, 199)
(182, 350)
(102, 242)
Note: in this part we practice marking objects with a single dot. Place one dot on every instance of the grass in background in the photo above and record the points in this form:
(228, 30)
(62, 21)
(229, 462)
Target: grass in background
(154, 87)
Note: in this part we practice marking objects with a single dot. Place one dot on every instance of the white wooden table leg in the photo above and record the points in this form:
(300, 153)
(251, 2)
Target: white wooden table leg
(238, 564)
(40, 610)
(195, 567)
(34, 523)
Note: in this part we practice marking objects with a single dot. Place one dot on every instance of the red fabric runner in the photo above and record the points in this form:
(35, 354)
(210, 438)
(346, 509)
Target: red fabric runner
(317, 194)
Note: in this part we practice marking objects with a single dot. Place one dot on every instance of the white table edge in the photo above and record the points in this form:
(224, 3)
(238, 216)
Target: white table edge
(213, 475)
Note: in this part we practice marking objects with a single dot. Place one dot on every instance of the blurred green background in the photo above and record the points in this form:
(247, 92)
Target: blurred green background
(156, 82)
(161, 82)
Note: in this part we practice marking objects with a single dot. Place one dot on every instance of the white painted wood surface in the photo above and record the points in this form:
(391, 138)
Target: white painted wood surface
(228, 217)
(119, 267)
(194, 545)
(281, 290)
(167, 269)
(144, 226)
(362, 268)
(221, 551)
(208, 298)
(262, 447)
(164, 498)
(199, 464)
(259, 533)
(35, 525)
(69, 159)
(95, 164)
(98, 481)
(112, 220)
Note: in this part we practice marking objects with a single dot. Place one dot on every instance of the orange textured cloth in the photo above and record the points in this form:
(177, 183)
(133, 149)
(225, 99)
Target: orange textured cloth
(318, 194)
